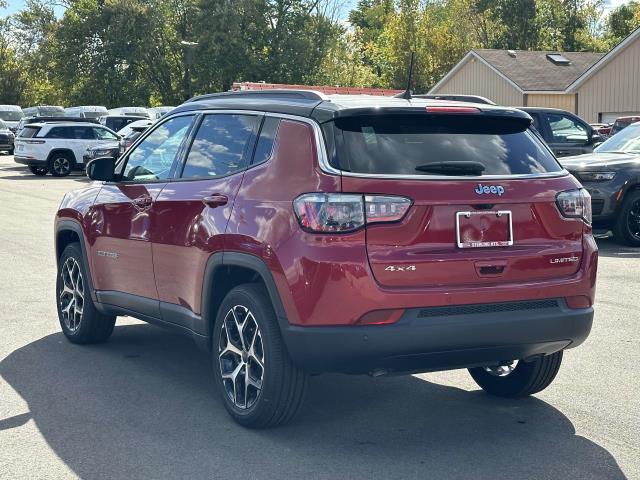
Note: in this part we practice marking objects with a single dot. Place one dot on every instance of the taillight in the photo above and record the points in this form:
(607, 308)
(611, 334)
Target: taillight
(575, 204)
(385, 208)
(345, 212)
(329, 212)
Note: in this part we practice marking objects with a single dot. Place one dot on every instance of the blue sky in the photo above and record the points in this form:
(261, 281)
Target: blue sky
(15, 5)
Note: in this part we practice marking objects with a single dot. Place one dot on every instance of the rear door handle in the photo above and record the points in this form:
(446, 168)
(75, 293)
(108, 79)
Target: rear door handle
(215, 200)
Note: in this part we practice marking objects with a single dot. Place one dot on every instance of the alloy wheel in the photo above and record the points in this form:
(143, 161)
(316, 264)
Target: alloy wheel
(633, 219)
(61, 165)
(241, 357)
(72, 294)
(502, 370)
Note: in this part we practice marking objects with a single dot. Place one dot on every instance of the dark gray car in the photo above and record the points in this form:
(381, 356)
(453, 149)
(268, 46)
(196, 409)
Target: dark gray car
(564, 132)
(611, 174)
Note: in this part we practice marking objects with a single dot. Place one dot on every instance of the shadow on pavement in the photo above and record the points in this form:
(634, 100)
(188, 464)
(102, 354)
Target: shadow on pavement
(25, 174)
(143, 406)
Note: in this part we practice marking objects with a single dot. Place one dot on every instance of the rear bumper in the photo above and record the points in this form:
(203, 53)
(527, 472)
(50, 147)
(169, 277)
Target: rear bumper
(32, 162)
(431, 339)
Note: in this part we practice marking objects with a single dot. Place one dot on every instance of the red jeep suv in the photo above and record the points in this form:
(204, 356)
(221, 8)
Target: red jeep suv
(292, 233)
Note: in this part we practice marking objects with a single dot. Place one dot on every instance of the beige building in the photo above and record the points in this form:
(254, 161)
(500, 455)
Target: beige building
(598, 87)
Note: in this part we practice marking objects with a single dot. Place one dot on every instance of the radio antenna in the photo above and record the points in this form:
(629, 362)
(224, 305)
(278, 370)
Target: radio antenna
(407, 93)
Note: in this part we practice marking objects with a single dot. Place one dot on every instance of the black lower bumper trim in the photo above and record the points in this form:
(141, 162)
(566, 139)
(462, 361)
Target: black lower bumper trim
(433, 343)
(32, 162)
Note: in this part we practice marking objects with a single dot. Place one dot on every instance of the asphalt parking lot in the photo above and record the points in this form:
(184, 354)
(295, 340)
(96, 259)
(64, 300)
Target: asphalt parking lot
(143, 405)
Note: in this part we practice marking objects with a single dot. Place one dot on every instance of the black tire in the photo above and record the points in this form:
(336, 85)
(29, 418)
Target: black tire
(627, 226)
(526, 379)
(40, 171)
(11, 152)
(90, 326)
(283, 384)
(61, 164)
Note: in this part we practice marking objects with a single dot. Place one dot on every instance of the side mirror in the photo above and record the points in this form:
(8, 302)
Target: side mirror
(595, 137)
(102, 169)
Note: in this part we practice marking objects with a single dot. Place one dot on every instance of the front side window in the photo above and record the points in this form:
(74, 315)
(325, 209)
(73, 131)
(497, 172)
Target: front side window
(153, 158)
(566, 129)
(104, 134)
(220, 146)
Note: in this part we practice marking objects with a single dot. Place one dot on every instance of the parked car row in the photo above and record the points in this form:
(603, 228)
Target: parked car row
(15, 117)
(60, 146)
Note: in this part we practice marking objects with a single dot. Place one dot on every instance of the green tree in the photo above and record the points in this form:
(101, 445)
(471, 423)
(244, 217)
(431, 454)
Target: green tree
(622, 21)
(515, 19)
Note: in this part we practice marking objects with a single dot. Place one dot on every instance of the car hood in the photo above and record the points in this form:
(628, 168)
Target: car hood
(591, 161)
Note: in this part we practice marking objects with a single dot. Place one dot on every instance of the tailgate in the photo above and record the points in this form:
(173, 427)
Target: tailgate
(433, 246)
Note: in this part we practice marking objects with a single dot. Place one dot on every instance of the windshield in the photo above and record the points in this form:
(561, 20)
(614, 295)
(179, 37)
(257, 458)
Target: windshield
(3, 126)
(11, 116)
(626, 141)
(438, 144)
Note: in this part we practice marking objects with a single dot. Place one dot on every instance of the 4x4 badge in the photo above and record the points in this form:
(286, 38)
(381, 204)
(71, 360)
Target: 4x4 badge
(484, 189)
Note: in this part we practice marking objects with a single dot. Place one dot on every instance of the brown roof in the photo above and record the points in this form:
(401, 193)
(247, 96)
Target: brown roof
(533, 71)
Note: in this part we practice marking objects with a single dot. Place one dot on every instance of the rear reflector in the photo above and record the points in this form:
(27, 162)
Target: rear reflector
(579, 301)
(453, 110)
(380, 317)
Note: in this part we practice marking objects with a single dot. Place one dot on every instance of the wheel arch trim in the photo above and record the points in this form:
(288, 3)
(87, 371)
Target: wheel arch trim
(226, 259)
(75, 227)
(67, 151)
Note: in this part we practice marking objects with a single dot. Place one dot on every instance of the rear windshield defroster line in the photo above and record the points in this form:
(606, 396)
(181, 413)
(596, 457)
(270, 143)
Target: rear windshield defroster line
(397, 144)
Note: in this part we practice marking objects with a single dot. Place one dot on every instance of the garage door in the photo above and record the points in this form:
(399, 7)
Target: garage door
(610, 117)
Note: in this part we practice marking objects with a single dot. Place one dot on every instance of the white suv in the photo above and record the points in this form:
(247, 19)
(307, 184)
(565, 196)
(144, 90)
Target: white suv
(58, 147)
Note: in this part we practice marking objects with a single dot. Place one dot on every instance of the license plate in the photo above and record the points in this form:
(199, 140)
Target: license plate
(20, 147)
(478, 229)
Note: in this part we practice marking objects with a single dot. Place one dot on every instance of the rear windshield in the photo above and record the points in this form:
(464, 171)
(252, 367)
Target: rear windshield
(397, 144)
(28, 132)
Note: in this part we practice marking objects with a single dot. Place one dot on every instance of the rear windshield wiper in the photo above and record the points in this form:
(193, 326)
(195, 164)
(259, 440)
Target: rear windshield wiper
(453, 168)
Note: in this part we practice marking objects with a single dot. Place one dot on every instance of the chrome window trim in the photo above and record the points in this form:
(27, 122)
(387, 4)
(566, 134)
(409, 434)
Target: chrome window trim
(326, 167)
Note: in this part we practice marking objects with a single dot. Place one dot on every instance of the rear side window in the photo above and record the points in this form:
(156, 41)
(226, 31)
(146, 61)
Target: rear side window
(59, 132)
(72, 133)
(29, 132)
(220, 146)
(267, 138)
(398, 144)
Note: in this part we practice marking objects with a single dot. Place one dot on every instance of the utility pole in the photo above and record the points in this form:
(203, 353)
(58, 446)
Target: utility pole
(189, 48)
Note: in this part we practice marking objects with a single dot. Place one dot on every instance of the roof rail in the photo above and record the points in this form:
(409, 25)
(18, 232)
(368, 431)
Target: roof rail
(37, 119)
(282, 94)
